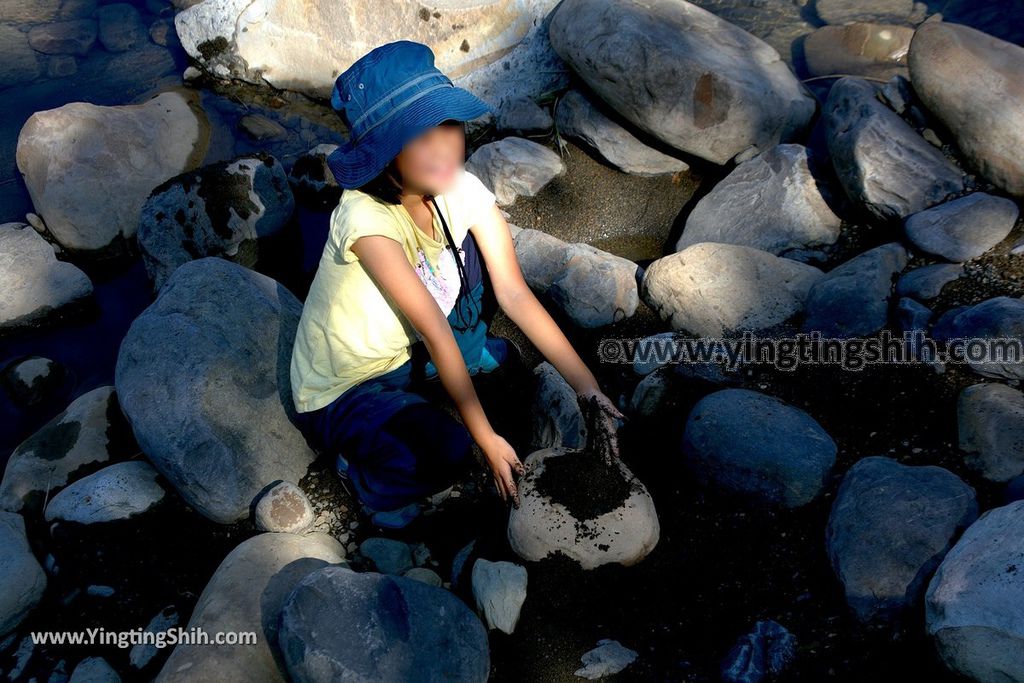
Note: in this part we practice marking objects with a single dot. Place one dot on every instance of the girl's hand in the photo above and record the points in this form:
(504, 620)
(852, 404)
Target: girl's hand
(503, 461)
(601, 414)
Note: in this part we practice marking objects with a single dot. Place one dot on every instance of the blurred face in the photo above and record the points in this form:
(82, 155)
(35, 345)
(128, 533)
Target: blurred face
(429, 162)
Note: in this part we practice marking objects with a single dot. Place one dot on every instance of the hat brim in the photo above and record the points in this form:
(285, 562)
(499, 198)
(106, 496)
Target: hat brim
(356, 165)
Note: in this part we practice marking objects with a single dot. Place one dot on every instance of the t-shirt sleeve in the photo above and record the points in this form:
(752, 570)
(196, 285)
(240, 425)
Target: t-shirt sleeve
(475, 197)
(358, 218)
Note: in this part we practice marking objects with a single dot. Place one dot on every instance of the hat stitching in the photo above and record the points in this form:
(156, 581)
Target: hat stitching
(400, 107)
(405, 86)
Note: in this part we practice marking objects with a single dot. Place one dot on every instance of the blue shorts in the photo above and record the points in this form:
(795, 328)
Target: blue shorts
(400, 446)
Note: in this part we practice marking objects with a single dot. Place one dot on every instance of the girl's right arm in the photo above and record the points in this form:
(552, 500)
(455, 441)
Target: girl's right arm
(385, 260)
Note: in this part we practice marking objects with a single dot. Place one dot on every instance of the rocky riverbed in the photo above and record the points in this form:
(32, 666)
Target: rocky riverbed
(667, 168)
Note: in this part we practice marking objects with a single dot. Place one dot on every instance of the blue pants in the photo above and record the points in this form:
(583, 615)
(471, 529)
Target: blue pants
(400, 446)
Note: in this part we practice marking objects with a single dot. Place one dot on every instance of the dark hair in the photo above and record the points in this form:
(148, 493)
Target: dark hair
(386, 187)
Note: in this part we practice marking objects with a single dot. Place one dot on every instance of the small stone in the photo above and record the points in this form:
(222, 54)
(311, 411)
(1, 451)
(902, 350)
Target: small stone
(284, 508)
(499, 589)
(607, 659)
(387, 555)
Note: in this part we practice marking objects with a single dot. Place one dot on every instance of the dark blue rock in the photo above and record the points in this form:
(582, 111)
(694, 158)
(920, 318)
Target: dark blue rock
(755, 445)
(890, 526)
(926, 282)
(765, 652)
(852, 299)
(964, 228)
(341, 625)
(999, 318)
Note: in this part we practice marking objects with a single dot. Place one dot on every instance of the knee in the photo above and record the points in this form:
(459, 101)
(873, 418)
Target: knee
(434, 432)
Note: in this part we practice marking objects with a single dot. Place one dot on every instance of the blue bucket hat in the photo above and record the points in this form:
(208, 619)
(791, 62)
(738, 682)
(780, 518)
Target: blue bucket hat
(389, 96)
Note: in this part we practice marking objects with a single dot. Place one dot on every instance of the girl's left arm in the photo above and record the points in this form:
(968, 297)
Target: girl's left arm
(520, 304)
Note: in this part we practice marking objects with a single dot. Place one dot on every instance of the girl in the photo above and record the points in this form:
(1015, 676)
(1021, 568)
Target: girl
(396, 300)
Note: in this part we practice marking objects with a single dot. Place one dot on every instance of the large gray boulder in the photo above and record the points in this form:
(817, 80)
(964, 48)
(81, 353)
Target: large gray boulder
(974, 606)
(202, 376)
(890, 526)
(247, 594)
(577, 117)
(964, 228)
(990, 422)
(34, 286)
(971, 82)
(678, 72)
(852, 299)
(341, 625)
(91, 431)
(293, 45)
(771, 202)
(713, 289)
(218, 210)
(882, 163)
(89, 169)
(758, 447)
(24, 581)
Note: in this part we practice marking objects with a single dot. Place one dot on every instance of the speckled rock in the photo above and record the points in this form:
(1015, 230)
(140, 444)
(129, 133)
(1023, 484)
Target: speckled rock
(91, 431)
(116, 492)
(540, 526)
(284, 508)
(223, 210)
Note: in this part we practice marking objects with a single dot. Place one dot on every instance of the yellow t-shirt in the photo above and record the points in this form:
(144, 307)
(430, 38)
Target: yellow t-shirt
(349, 331)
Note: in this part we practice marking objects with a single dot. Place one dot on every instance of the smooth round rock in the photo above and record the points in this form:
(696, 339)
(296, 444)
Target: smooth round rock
(963, 228)
(284, 508)
(757, 447)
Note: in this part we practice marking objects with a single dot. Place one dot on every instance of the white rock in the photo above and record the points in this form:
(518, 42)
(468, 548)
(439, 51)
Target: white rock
(116, 492)
(540, 526)
(499, 589)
